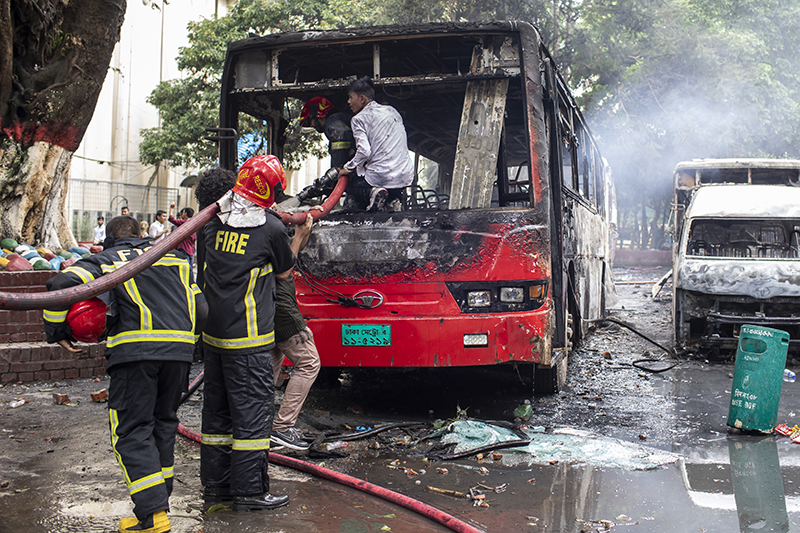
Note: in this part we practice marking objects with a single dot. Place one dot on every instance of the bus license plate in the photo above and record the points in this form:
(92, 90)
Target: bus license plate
(366, 335)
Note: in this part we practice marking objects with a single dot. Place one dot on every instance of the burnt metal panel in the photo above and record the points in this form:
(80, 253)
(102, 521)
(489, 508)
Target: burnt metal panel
(427, 246)
(478, 143)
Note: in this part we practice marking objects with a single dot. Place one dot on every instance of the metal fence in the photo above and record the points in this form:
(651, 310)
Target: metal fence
(89, 199)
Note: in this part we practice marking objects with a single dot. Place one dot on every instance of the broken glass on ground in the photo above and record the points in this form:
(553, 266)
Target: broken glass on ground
(561, 444)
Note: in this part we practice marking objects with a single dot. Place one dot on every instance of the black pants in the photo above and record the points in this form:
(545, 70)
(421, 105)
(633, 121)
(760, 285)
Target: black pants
(238, 409)
(358, 193)
(143, 398)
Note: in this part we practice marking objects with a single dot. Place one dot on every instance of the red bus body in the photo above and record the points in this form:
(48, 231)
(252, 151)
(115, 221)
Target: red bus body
(427, 323)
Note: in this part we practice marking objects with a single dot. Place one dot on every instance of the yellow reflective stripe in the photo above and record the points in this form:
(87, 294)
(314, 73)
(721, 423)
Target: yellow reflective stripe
(146, 482)
(250, 304)
(266, 269)
(55, 316)
(109, 268)
(168, 472)
(246, 342)
(82, 273)
(145, 314)
(114, 423)
(340, 145)
(171, 261)
(216, 440)
(250, 444)
(151, 335)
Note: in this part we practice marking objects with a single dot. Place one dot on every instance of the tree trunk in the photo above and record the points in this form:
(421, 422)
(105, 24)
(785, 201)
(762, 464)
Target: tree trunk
(644, 239)
(60, 55)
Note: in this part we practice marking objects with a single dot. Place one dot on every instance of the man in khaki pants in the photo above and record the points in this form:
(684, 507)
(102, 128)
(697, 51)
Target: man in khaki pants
(294, 340)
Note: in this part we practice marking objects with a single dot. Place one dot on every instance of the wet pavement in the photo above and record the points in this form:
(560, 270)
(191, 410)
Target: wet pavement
(57, 472)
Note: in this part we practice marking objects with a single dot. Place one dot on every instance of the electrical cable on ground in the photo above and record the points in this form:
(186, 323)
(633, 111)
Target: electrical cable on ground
(638, 363)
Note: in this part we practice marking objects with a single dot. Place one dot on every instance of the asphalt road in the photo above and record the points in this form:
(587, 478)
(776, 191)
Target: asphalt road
(619, 448)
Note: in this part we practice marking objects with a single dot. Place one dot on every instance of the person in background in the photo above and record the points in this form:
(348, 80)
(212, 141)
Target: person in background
(187, 244)
(124, 210)
(245, 249)
(144, 230)
(100, 231)
(149, 354)
(157, 229)
(295, 341)
(381, 151)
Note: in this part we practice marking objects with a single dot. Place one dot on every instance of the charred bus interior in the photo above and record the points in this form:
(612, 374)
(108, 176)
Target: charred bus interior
(429, 90)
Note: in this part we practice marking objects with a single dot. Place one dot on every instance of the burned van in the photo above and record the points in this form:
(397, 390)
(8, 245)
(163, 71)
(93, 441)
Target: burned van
(737, 262)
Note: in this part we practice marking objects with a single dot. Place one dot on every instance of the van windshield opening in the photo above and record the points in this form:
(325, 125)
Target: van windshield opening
(740, 238)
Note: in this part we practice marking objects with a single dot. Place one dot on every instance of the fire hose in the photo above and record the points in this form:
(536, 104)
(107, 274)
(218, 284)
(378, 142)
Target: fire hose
(62, 298)
(422, 508)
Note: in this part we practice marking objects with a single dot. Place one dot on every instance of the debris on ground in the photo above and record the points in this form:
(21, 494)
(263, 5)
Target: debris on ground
(60, 399)
(100, 396)
(17, 403)
(557, 445)
(524, 411)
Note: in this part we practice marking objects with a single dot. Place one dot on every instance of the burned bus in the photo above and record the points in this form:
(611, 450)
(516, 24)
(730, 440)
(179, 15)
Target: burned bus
(499, 255)
(736, 257)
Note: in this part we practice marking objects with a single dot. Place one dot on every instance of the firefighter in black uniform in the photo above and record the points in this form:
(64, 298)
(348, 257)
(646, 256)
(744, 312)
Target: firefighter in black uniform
(246, 248)
(153, 323)
(320, 114)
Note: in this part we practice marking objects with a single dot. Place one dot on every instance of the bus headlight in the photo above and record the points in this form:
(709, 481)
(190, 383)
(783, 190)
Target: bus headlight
(479, 299)
(512, 294)
(472, 340)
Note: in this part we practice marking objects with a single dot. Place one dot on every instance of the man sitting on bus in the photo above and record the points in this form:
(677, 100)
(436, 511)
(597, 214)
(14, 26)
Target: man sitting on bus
(381, 151)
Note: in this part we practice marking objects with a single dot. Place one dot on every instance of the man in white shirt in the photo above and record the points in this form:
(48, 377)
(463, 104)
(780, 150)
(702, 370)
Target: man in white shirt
(100, 231)
(157, 229)
(381, 162)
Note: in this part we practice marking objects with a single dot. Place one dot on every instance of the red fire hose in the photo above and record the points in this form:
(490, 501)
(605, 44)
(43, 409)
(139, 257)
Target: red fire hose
(62, 298)
(422, 508)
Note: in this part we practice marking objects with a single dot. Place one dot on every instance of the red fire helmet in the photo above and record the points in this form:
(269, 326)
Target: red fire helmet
(257, 179)
(87, 319)
(319, 107)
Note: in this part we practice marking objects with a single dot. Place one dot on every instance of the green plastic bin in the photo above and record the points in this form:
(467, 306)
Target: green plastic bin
(758, 378)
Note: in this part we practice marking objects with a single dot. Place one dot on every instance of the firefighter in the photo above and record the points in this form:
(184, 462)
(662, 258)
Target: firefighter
(153, 323)
(245, 249)
(318, 112)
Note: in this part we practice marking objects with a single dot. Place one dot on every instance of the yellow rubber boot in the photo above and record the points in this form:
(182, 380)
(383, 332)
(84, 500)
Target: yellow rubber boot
(157, 522)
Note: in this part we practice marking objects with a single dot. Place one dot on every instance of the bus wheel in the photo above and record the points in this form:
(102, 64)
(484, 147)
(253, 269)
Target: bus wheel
(551, 379)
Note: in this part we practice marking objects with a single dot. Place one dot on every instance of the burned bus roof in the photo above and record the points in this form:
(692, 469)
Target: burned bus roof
(378, 32)
(745, 201)
(738, 163)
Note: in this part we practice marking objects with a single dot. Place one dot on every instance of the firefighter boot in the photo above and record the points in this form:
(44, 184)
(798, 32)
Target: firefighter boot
(261, 502)
(157, 522)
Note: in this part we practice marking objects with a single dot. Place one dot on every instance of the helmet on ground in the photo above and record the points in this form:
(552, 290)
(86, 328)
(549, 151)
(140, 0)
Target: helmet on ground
(257, 179)
(317, 107)
(87, 319)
